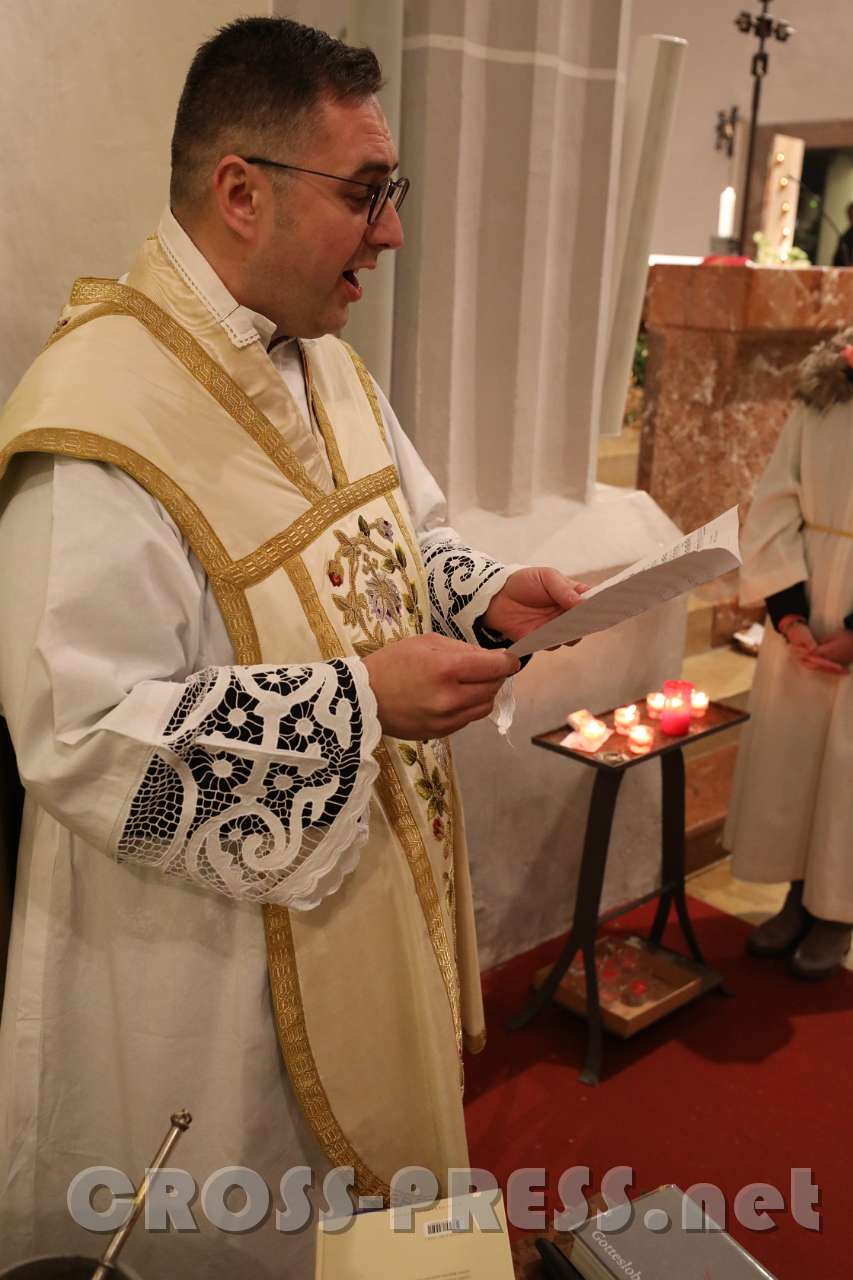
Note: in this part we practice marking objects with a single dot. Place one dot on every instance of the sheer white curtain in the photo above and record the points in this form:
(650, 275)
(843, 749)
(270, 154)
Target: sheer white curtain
(508, 131)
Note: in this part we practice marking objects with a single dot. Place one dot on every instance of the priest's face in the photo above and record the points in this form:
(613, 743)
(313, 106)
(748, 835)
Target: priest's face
(316, 238)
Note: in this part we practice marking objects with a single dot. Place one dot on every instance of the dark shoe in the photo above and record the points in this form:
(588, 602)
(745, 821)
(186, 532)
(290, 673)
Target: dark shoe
(782, 932)
(822, 950)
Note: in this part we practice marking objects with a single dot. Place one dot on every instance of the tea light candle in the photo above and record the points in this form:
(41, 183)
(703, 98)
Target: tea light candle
(625, 717)
(592, 734)
(640, 739)
(654, 705)
(675, 717)
(577, 718)
(698, 703)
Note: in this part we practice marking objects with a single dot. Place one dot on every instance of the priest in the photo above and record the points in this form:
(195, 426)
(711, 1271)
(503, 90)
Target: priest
(240, 633)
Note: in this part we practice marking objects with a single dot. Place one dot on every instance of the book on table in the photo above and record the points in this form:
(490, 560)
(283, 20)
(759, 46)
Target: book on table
(464, 1238)
(668, 1237)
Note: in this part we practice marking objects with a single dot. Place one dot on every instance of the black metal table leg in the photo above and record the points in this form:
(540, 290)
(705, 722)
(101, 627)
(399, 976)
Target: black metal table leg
(585, 923)
(672, 853)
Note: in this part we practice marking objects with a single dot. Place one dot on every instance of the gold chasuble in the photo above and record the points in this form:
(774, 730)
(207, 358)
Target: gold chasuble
(376, 988)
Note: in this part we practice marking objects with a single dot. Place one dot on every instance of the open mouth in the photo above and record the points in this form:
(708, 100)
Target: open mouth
(353, 287)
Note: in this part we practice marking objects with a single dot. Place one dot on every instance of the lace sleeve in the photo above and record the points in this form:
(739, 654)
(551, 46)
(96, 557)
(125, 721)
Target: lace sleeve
(260, 785)
(461, 583)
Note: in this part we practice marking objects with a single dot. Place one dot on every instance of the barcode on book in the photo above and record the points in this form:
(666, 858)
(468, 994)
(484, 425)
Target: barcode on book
(438, 1228)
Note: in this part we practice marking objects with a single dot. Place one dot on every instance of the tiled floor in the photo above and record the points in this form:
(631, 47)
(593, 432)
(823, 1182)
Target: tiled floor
(753, 902)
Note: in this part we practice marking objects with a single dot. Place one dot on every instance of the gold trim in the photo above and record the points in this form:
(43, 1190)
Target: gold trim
(417, 559)
(296, 1049)
(90, 447)
(369, 389)
(219, 384)
(283, 967)
(328, 640)
(336, 462)
(826, 528)
(67, 324)
(306, 528)
(394, 802)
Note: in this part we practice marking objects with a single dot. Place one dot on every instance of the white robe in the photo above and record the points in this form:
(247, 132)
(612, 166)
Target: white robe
(130, 992)
(791, 815)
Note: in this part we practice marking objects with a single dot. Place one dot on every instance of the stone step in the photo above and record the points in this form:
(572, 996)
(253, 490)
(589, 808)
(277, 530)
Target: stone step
(723, 673)
(727, 615)
(618, 457)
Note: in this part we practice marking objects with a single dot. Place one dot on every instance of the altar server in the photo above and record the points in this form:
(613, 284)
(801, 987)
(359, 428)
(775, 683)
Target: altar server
(791, 816)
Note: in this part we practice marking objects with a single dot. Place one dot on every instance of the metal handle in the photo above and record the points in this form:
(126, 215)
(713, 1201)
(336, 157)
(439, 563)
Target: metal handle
(181, 1121)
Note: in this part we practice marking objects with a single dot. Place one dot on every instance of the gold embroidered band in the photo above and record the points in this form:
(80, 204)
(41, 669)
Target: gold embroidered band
(336, 462)
(203, 368)
(293, 540)
(296, 1048)
(89, 447)
(394, 802)
(370, 391)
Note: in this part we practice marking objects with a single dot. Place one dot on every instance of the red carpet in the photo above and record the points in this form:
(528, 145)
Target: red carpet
(723, 1091)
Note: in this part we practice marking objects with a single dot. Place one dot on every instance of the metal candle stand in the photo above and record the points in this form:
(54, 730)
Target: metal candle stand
(610, 766)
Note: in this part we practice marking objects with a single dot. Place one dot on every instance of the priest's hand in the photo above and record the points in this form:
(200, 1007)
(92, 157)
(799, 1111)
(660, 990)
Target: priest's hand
(835, 654)
(429, 686)
(528, 599)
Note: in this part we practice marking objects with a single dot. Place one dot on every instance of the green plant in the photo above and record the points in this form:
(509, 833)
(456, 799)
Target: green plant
(768, 254)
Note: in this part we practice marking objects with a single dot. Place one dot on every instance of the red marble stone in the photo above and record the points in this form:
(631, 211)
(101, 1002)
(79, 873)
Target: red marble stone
(725, 344)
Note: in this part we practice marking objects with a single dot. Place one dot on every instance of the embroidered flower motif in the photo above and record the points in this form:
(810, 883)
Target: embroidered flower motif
(431, 786)
(383, 598)
(369, 570)
(336, 573)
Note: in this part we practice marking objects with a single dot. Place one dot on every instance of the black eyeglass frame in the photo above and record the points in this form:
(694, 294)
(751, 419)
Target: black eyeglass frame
(393, 189)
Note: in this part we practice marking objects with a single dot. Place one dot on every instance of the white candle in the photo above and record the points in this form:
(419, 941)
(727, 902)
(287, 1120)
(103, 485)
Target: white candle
(592, 734)
(726, 219)
(640, 739)
(698, 703)
(625, 717)
(654, 705)
(577, 718)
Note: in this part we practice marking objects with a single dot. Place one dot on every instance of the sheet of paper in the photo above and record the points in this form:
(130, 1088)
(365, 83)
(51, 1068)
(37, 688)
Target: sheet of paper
(696, 558)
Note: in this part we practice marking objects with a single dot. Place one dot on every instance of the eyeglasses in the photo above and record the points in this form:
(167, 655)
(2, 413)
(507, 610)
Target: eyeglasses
(393, 189)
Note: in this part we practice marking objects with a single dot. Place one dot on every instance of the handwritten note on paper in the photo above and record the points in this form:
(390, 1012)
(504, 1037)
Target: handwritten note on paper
(696, 558)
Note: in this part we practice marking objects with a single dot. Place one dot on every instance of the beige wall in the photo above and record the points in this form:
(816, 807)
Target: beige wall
(809, 79)
(87, 98)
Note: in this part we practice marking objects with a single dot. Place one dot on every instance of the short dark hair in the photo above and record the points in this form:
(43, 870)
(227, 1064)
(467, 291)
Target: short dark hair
(256, 79)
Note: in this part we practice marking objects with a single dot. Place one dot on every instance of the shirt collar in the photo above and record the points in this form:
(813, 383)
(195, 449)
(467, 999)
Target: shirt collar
(242, 325)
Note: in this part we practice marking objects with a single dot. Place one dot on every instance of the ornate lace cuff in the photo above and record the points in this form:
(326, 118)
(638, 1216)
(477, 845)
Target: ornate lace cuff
(461, 583)
(260, 784)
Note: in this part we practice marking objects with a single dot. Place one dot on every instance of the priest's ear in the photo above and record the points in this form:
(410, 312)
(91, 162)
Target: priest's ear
(241, 193)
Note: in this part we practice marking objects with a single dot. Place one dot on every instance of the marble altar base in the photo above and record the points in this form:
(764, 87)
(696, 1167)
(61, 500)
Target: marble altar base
(725, 344)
